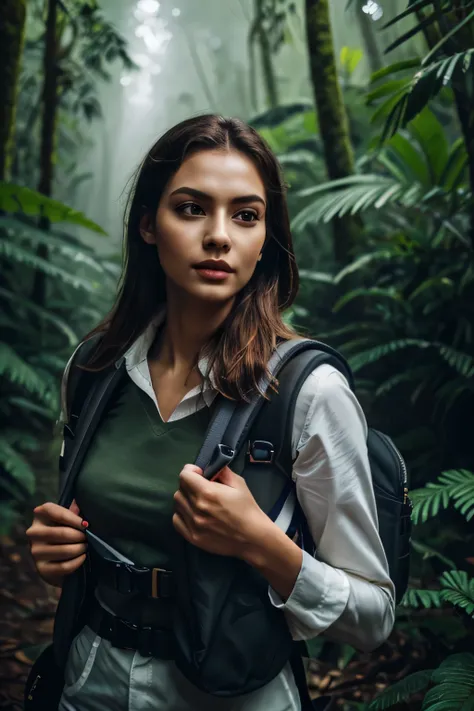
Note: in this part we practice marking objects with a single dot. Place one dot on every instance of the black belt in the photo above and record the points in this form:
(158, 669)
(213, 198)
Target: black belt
(149, 642)
(126, 579)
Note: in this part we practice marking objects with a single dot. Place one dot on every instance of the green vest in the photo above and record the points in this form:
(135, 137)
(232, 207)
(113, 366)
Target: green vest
(126, 485)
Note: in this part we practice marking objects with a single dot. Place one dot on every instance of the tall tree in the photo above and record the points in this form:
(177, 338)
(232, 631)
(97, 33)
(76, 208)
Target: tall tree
(259, 34)
(49, 101)
(12, 30)
(333, 123)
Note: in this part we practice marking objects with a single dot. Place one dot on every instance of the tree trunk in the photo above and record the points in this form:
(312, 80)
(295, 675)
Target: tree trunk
(269, 78)
(366, 25)
(48, 130)
(333, 124)
(12, 31)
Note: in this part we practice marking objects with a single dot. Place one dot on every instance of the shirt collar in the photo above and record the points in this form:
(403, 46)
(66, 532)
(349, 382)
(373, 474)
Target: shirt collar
(138, 351)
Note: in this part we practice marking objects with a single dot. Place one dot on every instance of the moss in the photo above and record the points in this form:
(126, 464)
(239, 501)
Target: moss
(12, 30)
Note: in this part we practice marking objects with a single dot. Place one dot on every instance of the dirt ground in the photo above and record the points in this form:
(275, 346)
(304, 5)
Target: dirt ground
(27, 609)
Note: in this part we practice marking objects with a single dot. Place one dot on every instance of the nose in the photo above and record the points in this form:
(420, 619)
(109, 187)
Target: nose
(217, 238)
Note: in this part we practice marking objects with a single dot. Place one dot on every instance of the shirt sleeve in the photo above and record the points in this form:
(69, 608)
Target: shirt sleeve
(344, 591)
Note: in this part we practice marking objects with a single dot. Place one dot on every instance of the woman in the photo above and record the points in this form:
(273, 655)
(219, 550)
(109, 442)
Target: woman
(209, 269)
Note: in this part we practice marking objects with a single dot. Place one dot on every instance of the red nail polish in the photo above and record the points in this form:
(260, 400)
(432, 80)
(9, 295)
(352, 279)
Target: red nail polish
(85, 524)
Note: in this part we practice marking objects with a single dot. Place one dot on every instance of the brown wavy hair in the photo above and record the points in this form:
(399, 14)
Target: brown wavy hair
(240, 348)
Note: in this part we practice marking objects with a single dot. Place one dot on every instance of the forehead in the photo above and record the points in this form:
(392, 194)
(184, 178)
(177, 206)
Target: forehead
(228, 173)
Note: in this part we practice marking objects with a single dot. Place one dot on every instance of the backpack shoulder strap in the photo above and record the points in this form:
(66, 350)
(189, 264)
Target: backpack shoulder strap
(275, 420)
(74, 376)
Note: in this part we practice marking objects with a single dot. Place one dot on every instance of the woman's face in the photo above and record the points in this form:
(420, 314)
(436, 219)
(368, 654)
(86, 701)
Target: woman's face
(209, 227)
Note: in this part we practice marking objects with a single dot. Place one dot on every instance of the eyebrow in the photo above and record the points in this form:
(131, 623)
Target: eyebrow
(204, 196)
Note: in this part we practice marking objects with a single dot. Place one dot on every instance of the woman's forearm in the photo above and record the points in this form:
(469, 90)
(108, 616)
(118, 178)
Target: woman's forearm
(276, 557)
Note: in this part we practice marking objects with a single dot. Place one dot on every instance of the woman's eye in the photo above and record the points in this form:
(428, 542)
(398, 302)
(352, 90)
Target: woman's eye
(194, 209)
(248, 213)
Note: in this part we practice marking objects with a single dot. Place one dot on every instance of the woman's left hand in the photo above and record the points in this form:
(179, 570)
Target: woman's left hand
(219, 516)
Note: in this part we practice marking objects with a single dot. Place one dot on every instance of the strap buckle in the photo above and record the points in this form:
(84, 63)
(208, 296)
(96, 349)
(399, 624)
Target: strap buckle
(154, 581)
(260, 452)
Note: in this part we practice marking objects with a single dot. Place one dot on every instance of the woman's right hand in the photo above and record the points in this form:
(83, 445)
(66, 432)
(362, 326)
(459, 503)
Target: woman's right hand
(57, 540)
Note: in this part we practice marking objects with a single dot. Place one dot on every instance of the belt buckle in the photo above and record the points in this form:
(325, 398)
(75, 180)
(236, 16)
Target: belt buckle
(154, 581)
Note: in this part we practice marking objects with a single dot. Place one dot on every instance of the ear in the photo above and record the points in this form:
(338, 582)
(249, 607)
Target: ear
(147, 229)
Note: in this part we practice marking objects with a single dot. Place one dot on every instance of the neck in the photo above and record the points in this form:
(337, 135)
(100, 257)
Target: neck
(189, 326)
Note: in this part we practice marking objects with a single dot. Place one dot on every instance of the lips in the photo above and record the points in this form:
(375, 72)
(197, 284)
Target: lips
(218, 265)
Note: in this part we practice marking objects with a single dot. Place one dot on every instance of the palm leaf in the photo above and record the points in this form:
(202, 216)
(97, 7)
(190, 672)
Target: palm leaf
(426, 84)
(395, 68)
(446, 38)
(18, 199)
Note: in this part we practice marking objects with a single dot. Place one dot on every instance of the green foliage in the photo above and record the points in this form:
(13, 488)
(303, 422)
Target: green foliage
(18, 199)
(402, 690)
(416, 170)
(448, 63)
(37, 340)
(452, 686)
(456, 486)
(88, 46)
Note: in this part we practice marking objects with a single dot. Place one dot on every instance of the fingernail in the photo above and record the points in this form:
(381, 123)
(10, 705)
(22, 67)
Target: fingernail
(85, 524)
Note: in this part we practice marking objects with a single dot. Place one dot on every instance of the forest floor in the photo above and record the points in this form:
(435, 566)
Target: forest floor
(27, 608)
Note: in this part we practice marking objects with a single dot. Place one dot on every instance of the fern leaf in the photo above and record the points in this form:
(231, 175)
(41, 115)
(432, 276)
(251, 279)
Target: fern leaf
(462, 362)
(43, 314)
(427, 502)
(402, 690)
(398, 378)
(19, 254)
(461, 489)
(421, 598)
(17, 467)
(373, 291)
(55, 242)
(374, 354)
(458, 589)
(18, 371)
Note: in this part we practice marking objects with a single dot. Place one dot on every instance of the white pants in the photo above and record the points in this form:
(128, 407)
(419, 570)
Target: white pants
(100, 677)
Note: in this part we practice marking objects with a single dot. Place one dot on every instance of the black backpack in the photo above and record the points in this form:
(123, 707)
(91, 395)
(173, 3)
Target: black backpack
(230, 640)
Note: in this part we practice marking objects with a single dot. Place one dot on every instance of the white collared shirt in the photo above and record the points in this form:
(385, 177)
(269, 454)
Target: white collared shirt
(345, 592)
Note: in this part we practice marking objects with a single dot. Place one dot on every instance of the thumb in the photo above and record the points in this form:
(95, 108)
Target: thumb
(228, 477)
(74, 508)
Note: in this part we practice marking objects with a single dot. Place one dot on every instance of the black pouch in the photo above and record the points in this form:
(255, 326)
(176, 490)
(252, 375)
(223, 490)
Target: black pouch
(229, 639)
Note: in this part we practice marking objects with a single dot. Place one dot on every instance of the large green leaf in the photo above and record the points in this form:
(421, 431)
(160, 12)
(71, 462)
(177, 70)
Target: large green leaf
(431, 137)
(18, 199)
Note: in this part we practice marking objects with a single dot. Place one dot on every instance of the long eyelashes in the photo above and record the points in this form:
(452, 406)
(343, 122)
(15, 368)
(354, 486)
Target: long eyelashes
(181, 209)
